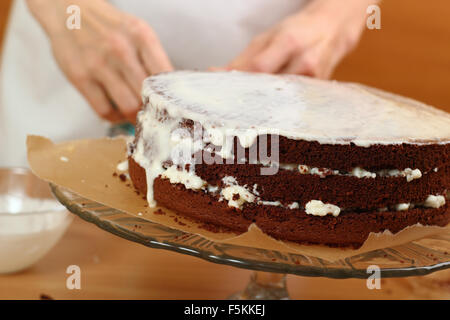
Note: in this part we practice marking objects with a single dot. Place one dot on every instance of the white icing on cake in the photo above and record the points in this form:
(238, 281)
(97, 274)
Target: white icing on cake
(237, 196)
(361, 173)
(229, 180)
(296, 107)
(212, 189)
(270, 203)
(255, 189)
(187, 178)
(402, 206)
(318, 208)
(123, 166)
(433, 201)
(294, 205)
(412, 174)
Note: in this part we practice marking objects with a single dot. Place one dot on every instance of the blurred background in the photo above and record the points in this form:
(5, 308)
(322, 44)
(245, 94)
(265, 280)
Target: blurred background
(410, 56)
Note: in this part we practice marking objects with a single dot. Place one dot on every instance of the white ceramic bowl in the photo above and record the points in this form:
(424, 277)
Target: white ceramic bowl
(31, 219)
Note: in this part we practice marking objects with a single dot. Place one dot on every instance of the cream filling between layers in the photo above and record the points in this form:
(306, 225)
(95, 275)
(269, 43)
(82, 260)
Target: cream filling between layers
(318, 208)
(189, 179)
(410, 174)
(237, 195)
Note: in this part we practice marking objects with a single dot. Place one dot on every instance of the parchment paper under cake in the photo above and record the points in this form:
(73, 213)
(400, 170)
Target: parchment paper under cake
(86, 167)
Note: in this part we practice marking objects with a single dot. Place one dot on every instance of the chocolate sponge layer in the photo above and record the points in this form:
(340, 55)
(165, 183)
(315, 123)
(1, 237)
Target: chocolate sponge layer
(344, 157)
(344, 191)
(348, 229)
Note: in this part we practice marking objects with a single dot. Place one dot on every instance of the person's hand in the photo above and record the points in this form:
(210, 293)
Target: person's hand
(310, 42)
(107, 58)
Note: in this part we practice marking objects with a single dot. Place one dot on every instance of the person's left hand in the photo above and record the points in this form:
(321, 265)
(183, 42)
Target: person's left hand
(311, 42)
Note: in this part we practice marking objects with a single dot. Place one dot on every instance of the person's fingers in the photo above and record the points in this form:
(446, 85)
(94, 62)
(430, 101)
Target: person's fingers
(154, 57)
(134, 73)
(320, 58)
(313, 62)
(92, 90)
(217, 69)
(150, 49)
(119, 91)
(301, 64)
(274, 56)
(241, 62)
(125, 58)
(331, 58)
(96, 97)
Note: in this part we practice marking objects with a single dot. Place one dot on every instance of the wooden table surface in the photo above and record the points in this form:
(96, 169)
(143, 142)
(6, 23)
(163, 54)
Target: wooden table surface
(410, 55)
(115, 268)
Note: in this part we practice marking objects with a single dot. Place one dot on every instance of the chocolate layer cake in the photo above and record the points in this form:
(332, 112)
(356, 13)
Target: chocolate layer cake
(310, 161)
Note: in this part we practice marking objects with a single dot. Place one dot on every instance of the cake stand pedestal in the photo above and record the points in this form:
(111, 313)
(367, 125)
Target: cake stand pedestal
(264, 286)
(419, 257)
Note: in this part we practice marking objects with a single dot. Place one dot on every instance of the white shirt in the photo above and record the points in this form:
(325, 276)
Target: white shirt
(36, 98)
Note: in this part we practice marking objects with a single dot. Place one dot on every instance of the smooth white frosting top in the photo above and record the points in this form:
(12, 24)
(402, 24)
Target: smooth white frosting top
(296, 107)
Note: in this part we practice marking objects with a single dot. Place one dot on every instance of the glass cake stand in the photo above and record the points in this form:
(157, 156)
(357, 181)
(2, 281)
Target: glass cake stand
(416, 258)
